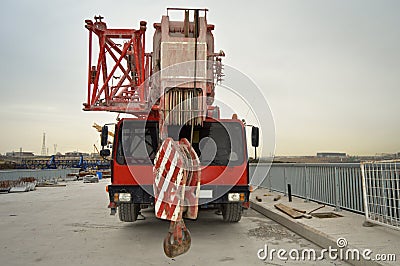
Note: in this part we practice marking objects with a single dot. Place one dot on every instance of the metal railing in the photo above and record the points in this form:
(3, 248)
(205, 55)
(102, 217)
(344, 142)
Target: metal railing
(338, 184)
(38, 174)
(381, 189)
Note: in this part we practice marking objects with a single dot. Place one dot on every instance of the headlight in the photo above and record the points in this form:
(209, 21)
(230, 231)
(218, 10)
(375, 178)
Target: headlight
(234, 197)
(124, 197)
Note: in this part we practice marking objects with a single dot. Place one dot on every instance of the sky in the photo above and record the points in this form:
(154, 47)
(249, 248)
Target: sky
(329, 70)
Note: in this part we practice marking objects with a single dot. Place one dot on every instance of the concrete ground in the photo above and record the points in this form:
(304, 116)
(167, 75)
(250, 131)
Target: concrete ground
(326, 231)
(71, 226)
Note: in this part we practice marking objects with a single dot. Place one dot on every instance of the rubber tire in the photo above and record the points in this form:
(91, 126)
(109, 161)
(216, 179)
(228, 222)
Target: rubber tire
(128, 212)
(232, 212)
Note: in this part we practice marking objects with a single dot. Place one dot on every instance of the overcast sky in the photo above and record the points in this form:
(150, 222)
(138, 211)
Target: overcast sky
(330, 70)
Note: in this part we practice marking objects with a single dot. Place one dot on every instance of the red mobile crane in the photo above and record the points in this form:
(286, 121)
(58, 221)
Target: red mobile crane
(175, 153)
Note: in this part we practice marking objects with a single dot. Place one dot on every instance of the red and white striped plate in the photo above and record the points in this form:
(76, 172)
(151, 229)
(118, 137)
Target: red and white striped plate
(175, 166)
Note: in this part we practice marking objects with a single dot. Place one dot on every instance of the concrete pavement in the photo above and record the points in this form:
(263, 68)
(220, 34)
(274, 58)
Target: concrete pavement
(71, 225)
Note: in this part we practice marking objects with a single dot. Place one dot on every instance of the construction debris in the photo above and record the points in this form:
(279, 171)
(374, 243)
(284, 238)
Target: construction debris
(316, 209)
(278, 197)
(302, 211)
(50, 184)
(23, 184)
(288, 210)
(291, 212)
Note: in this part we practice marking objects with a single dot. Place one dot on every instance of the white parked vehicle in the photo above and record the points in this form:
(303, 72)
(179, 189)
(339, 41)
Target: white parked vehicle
(90, 179)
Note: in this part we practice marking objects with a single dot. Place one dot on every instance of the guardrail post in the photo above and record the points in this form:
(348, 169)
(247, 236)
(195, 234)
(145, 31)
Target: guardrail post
(337, 190)
(284, 181)
(384, 191)
(270, 181)
(306, 184)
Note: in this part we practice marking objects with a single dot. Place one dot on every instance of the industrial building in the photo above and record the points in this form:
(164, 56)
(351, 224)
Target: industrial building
(331, 154)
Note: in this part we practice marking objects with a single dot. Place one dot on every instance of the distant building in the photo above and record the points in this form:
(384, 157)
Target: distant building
(331, 154)
(20, 154)
(76, 153)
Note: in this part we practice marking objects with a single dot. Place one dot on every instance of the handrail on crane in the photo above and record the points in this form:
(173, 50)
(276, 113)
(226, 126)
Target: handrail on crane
(188, 9)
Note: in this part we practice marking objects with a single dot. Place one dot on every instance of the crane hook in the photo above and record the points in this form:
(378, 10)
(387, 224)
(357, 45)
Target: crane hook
(178, 239)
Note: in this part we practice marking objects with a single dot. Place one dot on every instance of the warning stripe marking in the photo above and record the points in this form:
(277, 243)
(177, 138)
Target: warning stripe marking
(169, 182)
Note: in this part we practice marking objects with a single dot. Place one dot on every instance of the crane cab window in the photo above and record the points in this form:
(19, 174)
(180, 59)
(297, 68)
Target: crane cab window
(137, 142)
(216, 143)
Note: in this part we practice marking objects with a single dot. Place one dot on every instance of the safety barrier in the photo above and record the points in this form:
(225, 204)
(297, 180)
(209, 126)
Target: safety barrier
(381, 191)
(38, 174)
(335, 184)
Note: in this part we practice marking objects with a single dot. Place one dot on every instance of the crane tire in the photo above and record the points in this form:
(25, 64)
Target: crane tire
(232, 212)
(128, 212)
